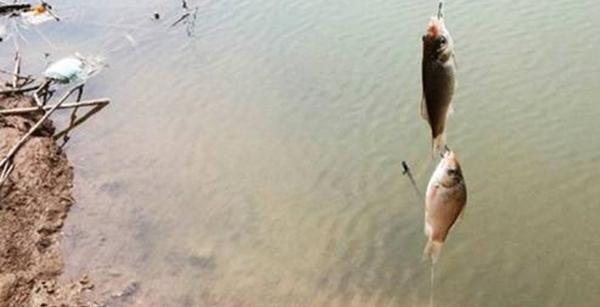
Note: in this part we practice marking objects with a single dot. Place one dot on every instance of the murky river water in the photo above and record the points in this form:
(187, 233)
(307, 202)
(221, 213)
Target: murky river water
(258, 162)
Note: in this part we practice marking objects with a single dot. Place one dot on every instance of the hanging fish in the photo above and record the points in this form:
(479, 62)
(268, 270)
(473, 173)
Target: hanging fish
(438, 73)
(445, 200)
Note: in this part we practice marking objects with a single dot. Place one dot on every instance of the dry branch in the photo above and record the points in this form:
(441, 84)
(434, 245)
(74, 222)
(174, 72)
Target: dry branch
(15, 82)
(6, 9)
(42, 87)
(10, 73)
(20, 90)
(78, 121)
(8, 168)
(69, 105)
(24, 139)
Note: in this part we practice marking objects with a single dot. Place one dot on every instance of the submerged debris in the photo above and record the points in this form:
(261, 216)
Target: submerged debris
(188, 18)
(64, 71)
(14, 9)
(73, 68)
(26, 9)
(23, 15)
(39, 14)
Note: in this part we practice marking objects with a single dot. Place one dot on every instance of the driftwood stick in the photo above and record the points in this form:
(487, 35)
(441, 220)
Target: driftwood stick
(11, 8)
(182, 18)
(36, 97)
(68, 105)
(25, 137)
(20, 90)
(10, 73)
(5, 169)
(73, 118)
(8, 167)
(6, 172)
(38, 101)
(15, 81)
(79, 121)
(74, 112)
(26, 81)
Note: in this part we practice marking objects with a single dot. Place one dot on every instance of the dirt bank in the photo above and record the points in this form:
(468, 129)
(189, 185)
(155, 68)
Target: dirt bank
(34, 203)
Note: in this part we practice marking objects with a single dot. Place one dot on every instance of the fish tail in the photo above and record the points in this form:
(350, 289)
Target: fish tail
(432, 250)
(438, 143)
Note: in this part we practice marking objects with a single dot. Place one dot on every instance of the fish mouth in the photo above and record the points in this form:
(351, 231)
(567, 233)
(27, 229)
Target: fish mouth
(451, 168)
(435, 27)
(450, 159)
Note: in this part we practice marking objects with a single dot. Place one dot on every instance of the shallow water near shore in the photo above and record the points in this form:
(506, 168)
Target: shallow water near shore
(258, 162)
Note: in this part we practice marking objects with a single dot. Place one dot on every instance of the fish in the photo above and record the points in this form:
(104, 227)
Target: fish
(445, 201)
(438, 79)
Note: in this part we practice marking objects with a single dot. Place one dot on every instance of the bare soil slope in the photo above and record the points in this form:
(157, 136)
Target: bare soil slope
(34, 203)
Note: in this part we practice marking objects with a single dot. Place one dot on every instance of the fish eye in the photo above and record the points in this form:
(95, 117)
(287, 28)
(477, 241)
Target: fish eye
(442, 40)
(451, 172)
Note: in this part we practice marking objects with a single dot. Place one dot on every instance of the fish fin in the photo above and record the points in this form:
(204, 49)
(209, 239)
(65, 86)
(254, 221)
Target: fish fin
(458, 219)
(424, 109)
(438, 143)
(427, 228)
(432, 250)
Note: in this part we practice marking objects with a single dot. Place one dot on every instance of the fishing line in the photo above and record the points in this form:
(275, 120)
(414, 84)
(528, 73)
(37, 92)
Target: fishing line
(45, 38)
(431, 283)
(440, 15)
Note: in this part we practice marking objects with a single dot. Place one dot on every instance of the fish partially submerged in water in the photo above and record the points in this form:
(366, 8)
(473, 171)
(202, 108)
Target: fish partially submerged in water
(445, 200)
(438, 73)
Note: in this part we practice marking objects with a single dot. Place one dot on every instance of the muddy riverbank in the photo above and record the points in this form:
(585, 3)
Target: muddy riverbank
(34, 202)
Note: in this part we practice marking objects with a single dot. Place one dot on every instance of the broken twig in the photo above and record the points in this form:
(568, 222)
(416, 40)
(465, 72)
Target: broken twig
(78, 121)
(15, 82)
(13, 8)
(8, 168)
(25, 137)
(42, 88)
(68, 105)
(20, 90)
(182, 18)
(10, 73)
